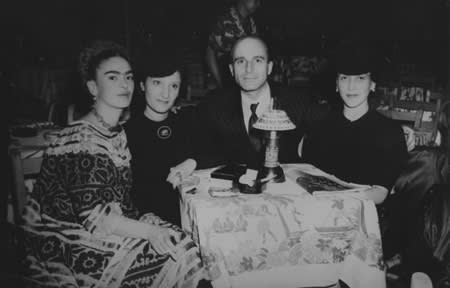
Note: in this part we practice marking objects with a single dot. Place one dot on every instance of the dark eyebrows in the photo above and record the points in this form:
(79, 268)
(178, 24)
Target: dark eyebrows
(118, 73)
(254, 57)
(355, 75)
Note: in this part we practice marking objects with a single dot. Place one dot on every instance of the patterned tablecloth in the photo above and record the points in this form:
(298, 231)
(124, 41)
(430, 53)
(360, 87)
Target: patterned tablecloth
(285, 237)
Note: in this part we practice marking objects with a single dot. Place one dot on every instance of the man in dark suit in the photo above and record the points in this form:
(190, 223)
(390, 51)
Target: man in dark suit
(225, 116)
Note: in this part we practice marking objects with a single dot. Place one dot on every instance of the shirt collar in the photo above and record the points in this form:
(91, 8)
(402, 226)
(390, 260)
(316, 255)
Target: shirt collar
(263, 100)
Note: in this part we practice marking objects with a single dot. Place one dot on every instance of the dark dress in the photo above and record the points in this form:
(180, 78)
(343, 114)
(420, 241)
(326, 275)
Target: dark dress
(370, 150)
(426, 244)
(426, 169)
(84, 176)
(155, 148)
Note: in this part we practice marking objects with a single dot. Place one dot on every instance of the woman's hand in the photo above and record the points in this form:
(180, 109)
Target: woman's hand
(163, 240)
(182, 170)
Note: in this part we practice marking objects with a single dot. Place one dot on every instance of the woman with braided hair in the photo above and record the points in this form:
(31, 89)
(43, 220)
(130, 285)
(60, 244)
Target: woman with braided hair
(81, 227)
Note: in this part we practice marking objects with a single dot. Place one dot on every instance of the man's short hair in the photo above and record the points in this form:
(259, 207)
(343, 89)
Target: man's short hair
(255, 37)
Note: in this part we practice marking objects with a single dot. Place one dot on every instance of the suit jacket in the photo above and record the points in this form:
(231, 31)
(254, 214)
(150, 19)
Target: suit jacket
(223, 128)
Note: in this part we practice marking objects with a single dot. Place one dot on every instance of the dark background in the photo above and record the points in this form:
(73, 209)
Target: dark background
(48, 34)
(46, 23)
(55, 30)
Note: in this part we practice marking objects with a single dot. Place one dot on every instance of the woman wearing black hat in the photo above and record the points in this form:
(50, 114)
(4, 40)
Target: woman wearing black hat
(159, 139)
(357, 144)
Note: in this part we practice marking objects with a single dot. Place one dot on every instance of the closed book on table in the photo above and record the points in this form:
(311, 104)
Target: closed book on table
(229, 172)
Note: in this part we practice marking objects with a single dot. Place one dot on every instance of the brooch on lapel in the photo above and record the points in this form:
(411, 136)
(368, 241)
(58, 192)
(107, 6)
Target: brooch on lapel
(164, 132)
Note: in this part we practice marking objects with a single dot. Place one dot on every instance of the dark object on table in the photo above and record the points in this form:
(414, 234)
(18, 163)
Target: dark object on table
(204, 284)
(247, 189)
(233, 172)
(24, 132)
(313, 183)
(230, 172)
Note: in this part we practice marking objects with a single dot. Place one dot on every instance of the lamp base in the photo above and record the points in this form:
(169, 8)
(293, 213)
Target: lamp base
(267, 175)
(270, 175)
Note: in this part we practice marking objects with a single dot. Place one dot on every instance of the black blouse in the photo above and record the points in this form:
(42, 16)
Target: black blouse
(370, 150)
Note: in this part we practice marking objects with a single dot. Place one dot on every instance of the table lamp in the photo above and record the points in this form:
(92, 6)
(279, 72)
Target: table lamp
(272, 121)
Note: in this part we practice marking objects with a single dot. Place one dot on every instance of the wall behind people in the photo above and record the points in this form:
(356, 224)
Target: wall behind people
(81, 21)
(47, 36)
(55, 30)
(50, 32)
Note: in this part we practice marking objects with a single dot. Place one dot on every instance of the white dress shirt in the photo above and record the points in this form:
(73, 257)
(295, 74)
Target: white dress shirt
(263, 100)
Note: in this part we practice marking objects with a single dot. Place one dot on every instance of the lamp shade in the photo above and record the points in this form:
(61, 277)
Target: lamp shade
(274, 120)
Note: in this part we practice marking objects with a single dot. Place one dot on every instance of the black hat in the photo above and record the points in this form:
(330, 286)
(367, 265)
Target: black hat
(159, 63)
(354, 58)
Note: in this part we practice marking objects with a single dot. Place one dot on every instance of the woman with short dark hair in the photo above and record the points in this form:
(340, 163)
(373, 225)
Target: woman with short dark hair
(357, 144)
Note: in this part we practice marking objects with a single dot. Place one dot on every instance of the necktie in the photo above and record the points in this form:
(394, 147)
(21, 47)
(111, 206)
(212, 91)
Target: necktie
(253, 133)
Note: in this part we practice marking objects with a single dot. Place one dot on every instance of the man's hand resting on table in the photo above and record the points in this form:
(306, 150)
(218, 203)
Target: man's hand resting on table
(181, 171)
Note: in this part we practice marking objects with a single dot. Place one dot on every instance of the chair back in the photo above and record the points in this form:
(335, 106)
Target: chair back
(408, 117)
(23, 168)
(421, 116)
